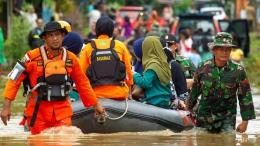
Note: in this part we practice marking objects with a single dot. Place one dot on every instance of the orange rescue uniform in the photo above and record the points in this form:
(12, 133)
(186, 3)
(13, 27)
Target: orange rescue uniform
(109, 91)
(52, 113)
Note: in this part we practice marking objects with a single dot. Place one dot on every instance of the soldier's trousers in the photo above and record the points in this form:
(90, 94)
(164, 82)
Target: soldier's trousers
(225, 125)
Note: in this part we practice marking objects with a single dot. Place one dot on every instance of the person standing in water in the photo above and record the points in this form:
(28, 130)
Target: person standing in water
(220, 82)
(50, 69)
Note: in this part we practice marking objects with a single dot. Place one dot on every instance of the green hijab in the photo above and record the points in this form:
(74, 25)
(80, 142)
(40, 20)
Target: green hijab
(154, 58)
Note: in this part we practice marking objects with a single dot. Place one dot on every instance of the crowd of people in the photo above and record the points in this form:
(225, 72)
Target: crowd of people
(158, 70)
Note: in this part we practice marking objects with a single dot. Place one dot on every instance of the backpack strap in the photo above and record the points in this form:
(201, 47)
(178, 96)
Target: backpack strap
(93, 44)
(111, 48)
(64, 58)
(112, 44)
(43, 53)
(65, 54)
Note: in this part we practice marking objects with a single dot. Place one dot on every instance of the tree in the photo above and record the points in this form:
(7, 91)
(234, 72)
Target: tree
(16, 44)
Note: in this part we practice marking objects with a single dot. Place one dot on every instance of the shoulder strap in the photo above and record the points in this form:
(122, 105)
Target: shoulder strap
(93, 44)
(65, 55)
(43, 53)
(112, 45)
(64, 58)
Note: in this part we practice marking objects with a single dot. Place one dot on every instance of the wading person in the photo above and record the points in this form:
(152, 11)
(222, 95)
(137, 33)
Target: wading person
(220, 82)
(49, 69)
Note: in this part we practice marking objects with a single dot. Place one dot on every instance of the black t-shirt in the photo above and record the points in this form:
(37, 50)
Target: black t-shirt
(178, 78)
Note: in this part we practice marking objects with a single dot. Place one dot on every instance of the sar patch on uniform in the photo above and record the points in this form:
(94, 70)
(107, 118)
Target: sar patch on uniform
(39, 63)
(68, 62)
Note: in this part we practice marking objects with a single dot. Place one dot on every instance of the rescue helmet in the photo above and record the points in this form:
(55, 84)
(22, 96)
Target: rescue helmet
(66, 25)
(52, 26)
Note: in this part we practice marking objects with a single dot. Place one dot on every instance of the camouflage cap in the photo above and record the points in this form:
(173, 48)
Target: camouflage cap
(222, 39)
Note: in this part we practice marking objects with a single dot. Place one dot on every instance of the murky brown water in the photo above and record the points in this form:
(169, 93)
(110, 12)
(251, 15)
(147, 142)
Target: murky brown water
(14, 135)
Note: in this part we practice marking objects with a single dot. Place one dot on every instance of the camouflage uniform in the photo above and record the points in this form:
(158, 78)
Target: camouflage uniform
(187, 66)
(219, 89)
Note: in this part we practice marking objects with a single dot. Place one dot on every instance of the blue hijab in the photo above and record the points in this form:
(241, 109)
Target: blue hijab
(138, 52)
(73, 42)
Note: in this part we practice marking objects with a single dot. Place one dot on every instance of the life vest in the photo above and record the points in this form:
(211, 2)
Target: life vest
(106, 68)
(55, 83)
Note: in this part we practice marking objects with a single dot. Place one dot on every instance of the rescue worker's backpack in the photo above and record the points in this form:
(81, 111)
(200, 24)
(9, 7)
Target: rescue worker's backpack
(55, 83)
(106, 68)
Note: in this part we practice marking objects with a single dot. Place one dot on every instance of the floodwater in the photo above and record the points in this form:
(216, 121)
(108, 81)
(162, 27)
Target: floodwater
(14, 135)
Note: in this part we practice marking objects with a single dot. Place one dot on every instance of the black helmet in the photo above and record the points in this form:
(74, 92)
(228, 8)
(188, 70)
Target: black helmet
(53, 26)
(168, 38)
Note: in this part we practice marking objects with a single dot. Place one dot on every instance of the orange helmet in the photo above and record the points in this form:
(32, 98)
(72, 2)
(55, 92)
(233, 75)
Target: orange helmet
(65, 24)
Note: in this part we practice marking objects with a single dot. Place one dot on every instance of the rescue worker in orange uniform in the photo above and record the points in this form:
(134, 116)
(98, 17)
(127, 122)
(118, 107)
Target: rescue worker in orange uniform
(50, 69)
(107, 63)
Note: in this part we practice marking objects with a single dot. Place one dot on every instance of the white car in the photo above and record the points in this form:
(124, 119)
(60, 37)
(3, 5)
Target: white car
(218, 12)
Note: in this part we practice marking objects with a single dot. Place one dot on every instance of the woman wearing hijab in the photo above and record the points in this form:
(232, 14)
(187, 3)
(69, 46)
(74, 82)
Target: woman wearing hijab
(73, 42)
(138, 55)
(156, 74)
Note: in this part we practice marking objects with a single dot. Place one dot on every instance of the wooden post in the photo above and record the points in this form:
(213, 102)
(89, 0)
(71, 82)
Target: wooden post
(9, 15)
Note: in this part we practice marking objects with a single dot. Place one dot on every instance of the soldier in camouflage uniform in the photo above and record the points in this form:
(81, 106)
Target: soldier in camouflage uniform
(187, 66)
(220, 82)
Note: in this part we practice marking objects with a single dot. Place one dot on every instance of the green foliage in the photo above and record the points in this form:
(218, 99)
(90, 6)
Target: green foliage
(182, 6)
(120, 2)
(65, 6)
(27, 7)
(16, 44)
(252, 63)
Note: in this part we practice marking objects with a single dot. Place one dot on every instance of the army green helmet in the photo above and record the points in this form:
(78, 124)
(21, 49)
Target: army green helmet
(222, 39)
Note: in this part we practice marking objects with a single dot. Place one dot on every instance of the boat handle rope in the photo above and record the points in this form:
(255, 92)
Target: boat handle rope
(121, 116)
(102, 118)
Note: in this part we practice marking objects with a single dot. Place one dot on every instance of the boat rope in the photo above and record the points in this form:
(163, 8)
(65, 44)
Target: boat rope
(121, 116)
